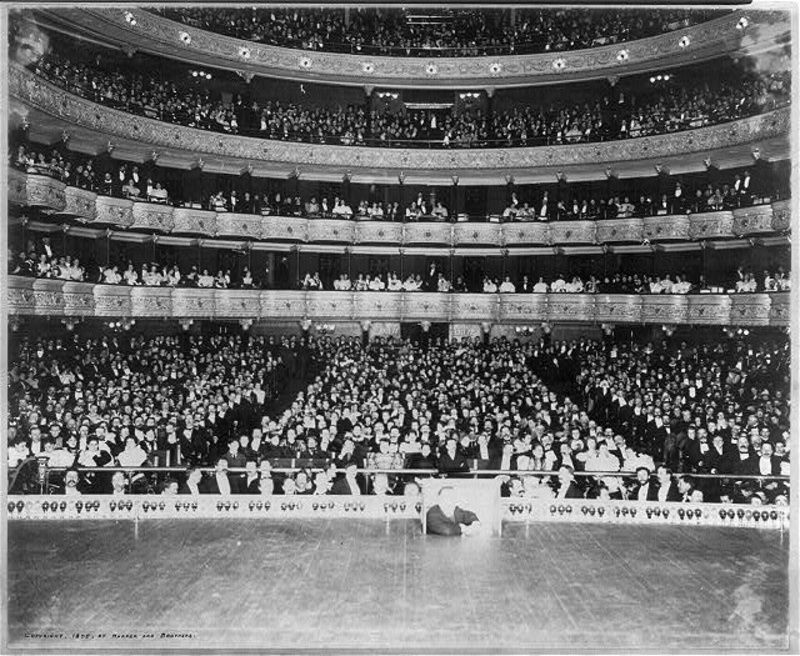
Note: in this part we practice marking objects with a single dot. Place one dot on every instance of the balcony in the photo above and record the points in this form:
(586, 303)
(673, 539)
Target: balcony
(52, 110)
(155, 34)
(46, 297)
(54, 197)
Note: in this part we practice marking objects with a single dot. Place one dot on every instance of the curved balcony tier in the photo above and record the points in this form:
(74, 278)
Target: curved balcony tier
(134, 29)
(54, 197)
(730, 143)
(47, 297)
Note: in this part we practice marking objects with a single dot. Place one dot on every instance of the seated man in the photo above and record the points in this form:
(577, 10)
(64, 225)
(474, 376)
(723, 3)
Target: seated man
(446, 518)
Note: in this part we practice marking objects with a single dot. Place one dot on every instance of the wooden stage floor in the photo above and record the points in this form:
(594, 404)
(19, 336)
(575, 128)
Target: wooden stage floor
(367, 583)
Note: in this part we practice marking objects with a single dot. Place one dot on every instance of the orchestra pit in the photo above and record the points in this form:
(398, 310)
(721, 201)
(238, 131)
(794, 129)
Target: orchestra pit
(382, 328)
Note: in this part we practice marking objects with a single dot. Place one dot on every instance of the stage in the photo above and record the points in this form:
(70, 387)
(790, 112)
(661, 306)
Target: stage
(345, 584)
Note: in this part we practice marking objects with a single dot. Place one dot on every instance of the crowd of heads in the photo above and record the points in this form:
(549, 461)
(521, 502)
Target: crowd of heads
(450, 32)
(615, 116)
(541, 411)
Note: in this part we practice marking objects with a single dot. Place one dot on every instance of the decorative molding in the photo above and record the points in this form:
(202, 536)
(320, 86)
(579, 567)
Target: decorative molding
(163, 36)
(54, 101)
(44, 297)
(123, 214)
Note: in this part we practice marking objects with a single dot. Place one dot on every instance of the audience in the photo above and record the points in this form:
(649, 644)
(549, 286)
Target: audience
(620, 407)
(717, 190)
(450, 33)
(696, 103)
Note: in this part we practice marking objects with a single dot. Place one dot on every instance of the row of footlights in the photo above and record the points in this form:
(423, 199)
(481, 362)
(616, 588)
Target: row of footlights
(682, 513)
(186, 506)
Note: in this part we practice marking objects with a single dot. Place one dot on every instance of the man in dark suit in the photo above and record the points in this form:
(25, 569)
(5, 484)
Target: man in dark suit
(192, 485)
(347, 483)
(667, 489)
(567, 488)
(645, 489)
(450, 460)
(446, 518)
(251, 484)
(221, 482)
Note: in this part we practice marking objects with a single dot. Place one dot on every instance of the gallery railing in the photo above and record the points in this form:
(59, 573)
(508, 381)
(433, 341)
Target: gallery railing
(52, 297)
(59, 199)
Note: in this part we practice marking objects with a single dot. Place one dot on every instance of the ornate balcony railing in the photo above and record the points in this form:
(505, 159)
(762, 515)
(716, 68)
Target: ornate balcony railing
(35, 92)
(53, 196)
(48, 297)
(151, 33)
(215, 506)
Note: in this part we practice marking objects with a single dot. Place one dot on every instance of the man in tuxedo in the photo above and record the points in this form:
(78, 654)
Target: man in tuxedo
(743, 462)
(220, 482)
(644, 490)
(667, 489)
(448, 519)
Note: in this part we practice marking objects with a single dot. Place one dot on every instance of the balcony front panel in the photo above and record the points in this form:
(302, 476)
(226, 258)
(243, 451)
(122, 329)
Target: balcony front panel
(44, 297)
(151, 302)
(619, 308)
(616, 230)
(420, 306)
(195, 222)
(330, 305)
(152, 216)
(570, 307)
(380, 232)
(427, 233)
(708, 309)
(80, 203)
(750, 310)
(191, 303)
(37, 93)
(382, 305)
(476, 307)
(781, 215)
(477, 234)
(518, 308)
(664, 309)
(752, 220)
(112, 301)
(321, 230)
(573, 232)
(78, 301)
(116, 212)
(666, 227)
(162, 36)
(237, 303)
(710, 225)
(285, 305)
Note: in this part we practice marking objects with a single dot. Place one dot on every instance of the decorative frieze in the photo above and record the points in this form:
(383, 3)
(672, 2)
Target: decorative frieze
(34, 296)
(752, 220)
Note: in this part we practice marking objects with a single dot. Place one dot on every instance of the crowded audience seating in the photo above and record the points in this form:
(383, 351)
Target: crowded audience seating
(692, 104)
(436, 31)
(664, 194)
(532, 410)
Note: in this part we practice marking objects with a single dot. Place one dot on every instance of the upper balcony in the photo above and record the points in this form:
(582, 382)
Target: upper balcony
(739, 32)
(52, 109)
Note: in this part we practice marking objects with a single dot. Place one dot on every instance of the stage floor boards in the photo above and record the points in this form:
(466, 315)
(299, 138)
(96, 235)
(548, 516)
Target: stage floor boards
(365, 583)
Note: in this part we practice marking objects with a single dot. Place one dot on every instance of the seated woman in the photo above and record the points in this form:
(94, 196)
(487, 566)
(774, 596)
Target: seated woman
(446, 518)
